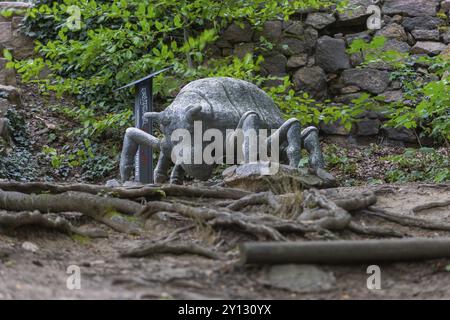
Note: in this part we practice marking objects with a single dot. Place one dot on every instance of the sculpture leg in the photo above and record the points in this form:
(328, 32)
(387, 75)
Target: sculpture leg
(163, 165)
(250, 125)
(177, 175)
(289, 132)
(133, 139)
(310, 139)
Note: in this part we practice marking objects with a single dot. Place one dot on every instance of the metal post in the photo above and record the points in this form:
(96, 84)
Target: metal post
(143, 103)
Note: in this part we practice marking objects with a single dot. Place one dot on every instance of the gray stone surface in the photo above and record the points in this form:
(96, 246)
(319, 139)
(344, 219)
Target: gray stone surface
(396, 45)
(427, 47)
(312, 80)
(446, 36)
(299, 278)
(271, 31)
(400, 134)
(242, 49)
(423, 23)
(393, 31)
(331, 54)
(368, 127)
(10, 93)
(320, 20)
(274, 65)
(411, 7)
(356, 13)
(372, 80)
(428, 35)
(297, 61)
(235, 33)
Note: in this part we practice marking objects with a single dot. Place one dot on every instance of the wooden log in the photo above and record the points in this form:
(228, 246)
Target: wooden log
(344, 251)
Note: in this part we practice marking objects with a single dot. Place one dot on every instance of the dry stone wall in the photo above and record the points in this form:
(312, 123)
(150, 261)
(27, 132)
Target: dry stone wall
(312, 49)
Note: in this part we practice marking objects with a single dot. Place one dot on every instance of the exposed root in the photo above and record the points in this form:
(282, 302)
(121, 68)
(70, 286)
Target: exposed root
(431, 205)
(11, 221)
(262, 198)
(374, 231)
(165, 248)
(407, 221)
(99, 208)
(322, 212)
(356, 202)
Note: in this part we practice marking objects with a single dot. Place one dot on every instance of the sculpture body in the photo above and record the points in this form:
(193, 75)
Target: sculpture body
(222, 104)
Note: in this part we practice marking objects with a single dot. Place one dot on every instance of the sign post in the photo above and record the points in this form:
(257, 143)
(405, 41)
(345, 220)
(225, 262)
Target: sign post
(143, 103)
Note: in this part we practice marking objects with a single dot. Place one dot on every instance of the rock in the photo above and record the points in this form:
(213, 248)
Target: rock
(399, 134)
(427, 47)
(320, 20)
(5, 32)
(312, 80)
(299, 278)
(396, 45)
(16, 22)
(21, 45)
(446, 53)
(356, 14)
(7, 76)
(393, 31)
(446, 36)
(350, 89)
(427, 35)
(30, 246)
(372, 80)
(11, 93)
(297, 61)
(392, 96)
(274, 65)
(293, 45)
(242, 49)
(113, 183)
(221, 43)
(368, 127)
(331, 54)
(14, 5)
(349, 38)
(445, 5)
(253, 177)
(236, 33)
(271, 31)
(423, 23)
(334, 128)
(347, 98)
(294, 27)
(411, 8)
(5, 105)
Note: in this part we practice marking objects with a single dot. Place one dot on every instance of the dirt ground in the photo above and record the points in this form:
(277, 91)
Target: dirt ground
(42, 274)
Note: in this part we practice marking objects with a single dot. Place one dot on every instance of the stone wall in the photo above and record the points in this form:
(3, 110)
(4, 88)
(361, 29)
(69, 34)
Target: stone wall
(311, 48)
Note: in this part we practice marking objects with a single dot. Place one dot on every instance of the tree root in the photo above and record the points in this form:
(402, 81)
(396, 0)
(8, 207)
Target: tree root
(430, 205)
(262, 198)
(407, 221)
(11, 221)
(374, 231)
(99, 208)
(178, 249)
(146, 191)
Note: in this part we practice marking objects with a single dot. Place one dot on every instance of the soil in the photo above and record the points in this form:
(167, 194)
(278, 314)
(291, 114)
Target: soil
(105, 275)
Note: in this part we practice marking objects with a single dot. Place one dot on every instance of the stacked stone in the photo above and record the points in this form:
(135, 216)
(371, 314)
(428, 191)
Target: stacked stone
(21, 47)
(312, 49)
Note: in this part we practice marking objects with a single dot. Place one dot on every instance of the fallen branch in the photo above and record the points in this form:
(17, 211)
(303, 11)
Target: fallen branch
(407, 221)
(344, 252)
(12, 221)
(178, 249)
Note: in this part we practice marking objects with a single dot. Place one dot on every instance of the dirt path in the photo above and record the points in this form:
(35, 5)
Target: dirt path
(104, 275)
